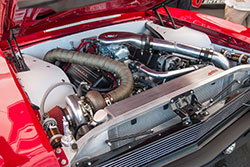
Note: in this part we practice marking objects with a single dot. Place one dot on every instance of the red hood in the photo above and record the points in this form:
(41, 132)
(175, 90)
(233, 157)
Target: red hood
(32, 20)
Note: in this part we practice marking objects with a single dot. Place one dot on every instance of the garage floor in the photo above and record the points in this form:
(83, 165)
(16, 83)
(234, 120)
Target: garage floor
(239, 158)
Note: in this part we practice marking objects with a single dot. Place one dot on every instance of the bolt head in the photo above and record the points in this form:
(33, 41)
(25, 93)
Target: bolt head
(187, 122)
(63, 162)
(109, 144)
(206, 113)
(74, 146)
(58, 150)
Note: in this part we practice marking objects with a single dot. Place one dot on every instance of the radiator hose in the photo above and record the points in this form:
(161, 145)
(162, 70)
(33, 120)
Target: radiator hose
(100, 62)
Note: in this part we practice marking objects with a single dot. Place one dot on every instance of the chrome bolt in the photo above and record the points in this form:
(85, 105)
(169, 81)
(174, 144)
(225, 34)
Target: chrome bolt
(187, 121)
(109, 144)
(206, 113)
(63, 162)
(58, 151)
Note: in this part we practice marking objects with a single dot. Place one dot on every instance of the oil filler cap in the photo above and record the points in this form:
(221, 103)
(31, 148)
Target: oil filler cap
(100, 116)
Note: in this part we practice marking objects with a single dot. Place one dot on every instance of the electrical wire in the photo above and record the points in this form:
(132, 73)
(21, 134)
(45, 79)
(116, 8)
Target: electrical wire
(111, 76)
(67, 66)
(103, 90)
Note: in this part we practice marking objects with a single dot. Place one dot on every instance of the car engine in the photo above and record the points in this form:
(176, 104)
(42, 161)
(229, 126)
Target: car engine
(108, 91)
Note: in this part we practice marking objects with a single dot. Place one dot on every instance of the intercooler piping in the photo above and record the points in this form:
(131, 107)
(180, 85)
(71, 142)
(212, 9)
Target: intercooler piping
(165, 75)
(95, 61)
(147, 42)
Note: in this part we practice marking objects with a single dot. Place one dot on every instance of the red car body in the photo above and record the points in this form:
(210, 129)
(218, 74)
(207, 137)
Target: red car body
(23, 141)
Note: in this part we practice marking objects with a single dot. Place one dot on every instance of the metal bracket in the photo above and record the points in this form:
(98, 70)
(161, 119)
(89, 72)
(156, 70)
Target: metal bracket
(167, 11)
(132, 136)
(188, 108)
(17, 60)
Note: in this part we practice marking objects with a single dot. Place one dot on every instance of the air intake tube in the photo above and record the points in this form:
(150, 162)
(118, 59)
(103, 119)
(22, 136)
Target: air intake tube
(104, 63)
(165, 75)
(146, 41)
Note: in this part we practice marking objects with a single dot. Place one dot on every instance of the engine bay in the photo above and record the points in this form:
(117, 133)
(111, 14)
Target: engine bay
(100, 90)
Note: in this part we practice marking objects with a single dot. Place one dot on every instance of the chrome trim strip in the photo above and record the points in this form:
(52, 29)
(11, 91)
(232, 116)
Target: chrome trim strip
(82, 22)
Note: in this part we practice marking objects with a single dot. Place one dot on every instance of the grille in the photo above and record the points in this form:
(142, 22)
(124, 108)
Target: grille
(162, 147)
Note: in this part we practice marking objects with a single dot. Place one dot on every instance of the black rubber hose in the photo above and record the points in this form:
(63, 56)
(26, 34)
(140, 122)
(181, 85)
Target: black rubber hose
(101, 62)
(78, 127)
(102, 90)
(148, 83)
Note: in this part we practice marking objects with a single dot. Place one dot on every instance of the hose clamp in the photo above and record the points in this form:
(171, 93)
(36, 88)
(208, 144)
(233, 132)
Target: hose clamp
(54, 137)
(146, 43)
(206, 54)
(241, 57)
(108, 99)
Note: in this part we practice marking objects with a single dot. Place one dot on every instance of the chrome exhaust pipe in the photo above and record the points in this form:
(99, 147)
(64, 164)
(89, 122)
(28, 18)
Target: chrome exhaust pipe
(147, 42)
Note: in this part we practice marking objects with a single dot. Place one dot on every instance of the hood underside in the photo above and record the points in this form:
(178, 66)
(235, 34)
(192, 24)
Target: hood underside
(57, 5)
(28, 16)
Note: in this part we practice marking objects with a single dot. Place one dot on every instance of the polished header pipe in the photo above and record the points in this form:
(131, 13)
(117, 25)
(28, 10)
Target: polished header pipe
(146, 42)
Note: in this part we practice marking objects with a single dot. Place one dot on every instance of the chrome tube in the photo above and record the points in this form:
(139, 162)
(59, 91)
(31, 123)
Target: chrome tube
(220, 60)
(164, 75)
(145, 41)
(174, 47)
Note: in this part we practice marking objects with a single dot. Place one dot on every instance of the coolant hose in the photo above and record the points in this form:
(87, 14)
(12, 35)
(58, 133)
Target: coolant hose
(100, 62)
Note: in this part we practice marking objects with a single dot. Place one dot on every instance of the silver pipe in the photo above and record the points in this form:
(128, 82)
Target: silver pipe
(165, 75)
(220, 60)
(140, 41)
(174, 47)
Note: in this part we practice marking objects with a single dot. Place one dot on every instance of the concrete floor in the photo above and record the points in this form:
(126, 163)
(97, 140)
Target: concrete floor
(239, 158)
